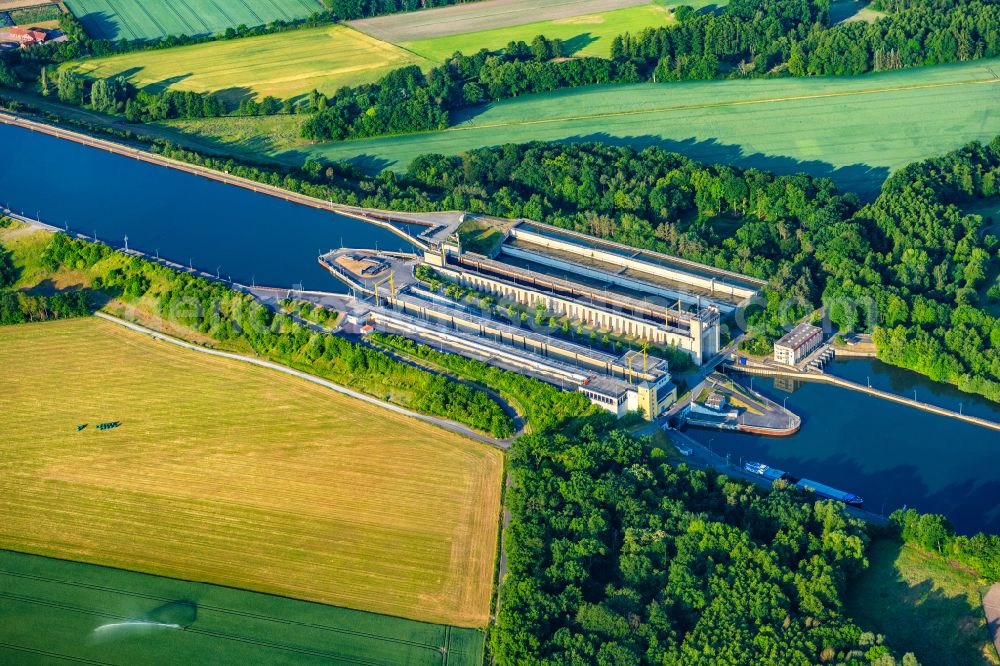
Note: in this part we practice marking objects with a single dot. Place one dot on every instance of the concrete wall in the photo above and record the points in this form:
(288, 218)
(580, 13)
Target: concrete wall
(677, 275)
(670, 296)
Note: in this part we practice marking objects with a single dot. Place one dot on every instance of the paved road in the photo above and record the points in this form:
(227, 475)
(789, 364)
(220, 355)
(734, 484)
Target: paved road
(991, 607)
(443, 423)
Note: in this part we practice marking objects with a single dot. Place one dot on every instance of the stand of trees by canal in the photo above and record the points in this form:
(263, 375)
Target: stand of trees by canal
(933, 533)
(544, 406)
(17, 307)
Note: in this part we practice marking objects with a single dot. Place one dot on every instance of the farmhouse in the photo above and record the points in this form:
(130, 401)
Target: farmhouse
(28, 36)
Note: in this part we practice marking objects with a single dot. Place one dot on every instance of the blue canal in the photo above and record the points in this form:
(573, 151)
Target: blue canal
(191, 220)
(890, 454)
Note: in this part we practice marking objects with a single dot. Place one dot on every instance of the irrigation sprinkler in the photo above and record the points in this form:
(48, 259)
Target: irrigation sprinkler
(218, 270)
(126, 242)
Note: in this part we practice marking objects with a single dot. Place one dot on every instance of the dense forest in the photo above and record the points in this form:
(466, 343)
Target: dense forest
(616, 557)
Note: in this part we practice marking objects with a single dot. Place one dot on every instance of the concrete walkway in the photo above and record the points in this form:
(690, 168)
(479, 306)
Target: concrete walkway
(991, 608)
(443, 423)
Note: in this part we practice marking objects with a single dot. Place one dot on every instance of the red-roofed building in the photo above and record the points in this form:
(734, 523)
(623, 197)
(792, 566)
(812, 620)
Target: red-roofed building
(28, 37)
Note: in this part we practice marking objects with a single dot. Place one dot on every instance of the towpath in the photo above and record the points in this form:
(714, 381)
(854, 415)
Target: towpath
(991, 608)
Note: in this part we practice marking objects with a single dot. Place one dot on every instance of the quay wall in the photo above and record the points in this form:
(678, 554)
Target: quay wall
(677, 275)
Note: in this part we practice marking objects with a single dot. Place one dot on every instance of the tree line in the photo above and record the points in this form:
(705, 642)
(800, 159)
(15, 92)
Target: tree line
(355, 9)
(544, 406)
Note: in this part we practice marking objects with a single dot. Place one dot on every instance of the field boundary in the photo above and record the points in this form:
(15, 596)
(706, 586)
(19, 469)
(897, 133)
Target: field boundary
(406, 26)
(442, 423)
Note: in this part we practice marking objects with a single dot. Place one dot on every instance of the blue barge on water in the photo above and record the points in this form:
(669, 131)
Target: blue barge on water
(820, 489)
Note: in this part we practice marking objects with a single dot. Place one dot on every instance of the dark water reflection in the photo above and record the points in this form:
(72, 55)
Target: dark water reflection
(890, 454)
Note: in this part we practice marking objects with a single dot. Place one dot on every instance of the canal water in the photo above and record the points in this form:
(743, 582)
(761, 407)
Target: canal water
(890, 454)
(212, 226)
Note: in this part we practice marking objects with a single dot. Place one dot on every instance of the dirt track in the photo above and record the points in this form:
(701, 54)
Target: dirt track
(476, 16)
(991, 607)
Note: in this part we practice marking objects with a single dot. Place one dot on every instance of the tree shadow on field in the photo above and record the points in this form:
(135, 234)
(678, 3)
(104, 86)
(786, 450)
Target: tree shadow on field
(577, 43)
(235, 95)
(711, 9)
(160, 86)
(938, 627)
(366, 162)
(127, 74)
(102, 25)
(863, 179)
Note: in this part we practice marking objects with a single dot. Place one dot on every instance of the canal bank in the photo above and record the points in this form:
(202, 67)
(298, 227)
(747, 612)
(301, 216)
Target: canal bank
(889, 453)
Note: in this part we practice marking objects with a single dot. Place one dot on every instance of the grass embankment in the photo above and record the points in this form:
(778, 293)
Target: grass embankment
(238, 475)
(922, 604)
(59, 608)
(845, 128)
(128, 19)
(285, 64)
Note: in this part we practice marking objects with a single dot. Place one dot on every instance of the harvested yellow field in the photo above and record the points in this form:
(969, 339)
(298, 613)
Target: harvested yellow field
(284, 64)
(237, 475)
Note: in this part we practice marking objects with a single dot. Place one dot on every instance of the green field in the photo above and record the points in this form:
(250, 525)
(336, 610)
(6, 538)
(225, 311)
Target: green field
(922, 604)
(586, 35)
(845, 128)
(54, 611)
(237, 475)
(140, 19)
(285, 64)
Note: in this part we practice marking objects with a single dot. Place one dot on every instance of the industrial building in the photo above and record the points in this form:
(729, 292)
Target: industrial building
(797, 344)
(636, 295)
